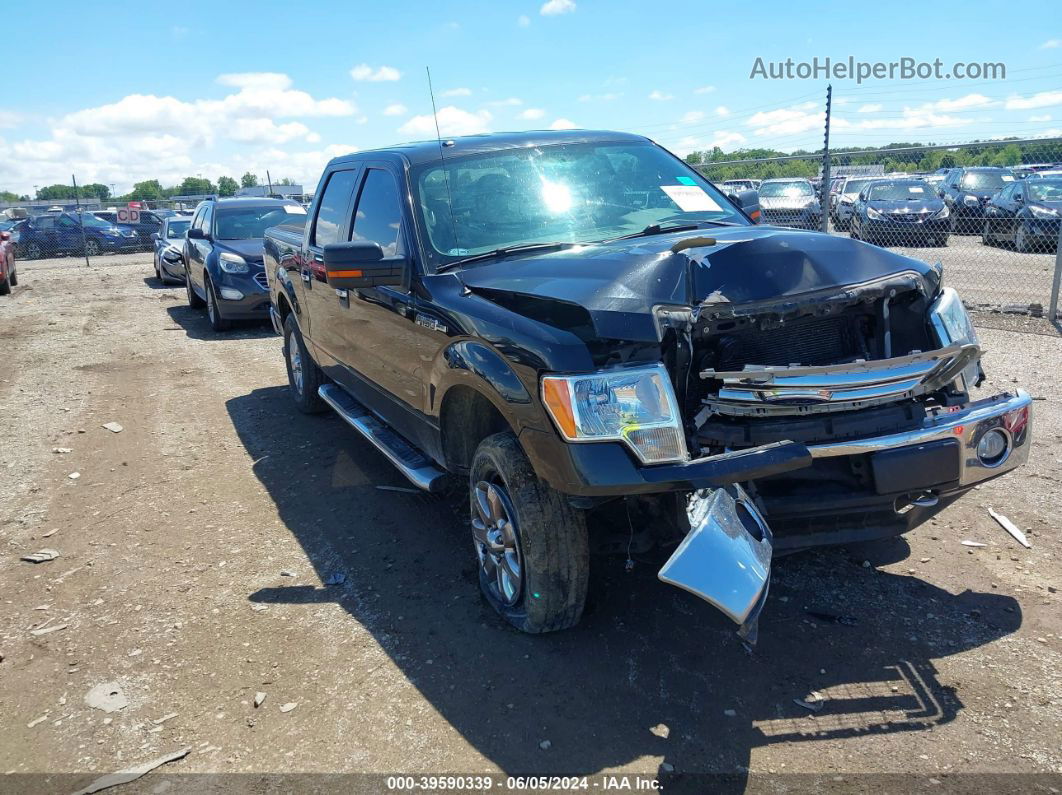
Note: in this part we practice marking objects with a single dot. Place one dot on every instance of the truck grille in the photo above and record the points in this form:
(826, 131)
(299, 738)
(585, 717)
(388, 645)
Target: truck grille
(813, 340)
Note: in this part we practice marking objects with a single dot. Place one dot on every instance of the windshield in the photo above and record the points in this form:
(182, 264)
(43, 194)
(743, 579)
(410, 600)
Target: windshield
(853, 186)
(899, 192)
(1045, 190)
(567, 193)
(774, 189)
(248, 223)
(177, 229)
(985, 180)
(89, 220)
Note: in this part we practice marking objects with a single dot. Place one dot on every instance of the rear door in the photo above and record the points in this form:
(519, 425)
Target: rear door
(320, 317)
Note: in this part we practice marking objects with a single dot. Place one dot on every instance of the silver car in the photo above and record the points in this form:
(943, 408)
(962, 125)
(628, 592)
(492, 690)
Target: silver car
(846, 199)
(169, 249)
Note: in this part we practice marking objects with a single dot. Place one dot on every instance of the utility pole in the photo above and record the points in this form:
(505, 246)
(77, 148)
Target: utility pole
(80, 221)
(824, 190)
(269, 180)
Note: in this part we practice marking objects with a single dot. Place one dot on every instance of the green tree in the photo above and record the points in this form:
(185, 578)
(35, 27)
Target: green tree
(285, 181)
(249, 180)
(149, 189)
(194, 186)
(8, 196)
(99, 190)
(51, 192)
(227, 186)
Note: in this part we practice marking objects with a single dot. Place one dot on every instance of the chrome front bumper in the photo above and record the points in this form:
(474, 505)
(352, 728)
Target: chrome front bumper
(967, 424)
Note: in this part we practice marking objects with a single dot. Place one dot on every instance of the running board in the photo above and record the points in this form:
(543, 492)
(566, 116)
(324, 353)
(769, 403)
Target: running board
(410, 461)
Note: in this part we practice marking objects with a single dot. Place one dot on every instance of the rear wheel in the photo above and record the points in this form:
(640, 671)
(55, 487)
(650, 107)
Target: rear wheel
(92, 247)
(217, 322)
(304, 376)
(194, 300)
(13, 276)
(530, 543)
(34, 251)
(986, 233)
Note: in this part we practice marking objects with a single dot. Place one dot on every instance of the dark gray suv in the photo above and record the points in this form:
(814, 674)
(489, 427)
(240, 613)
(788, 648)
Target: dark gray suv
(223, 256)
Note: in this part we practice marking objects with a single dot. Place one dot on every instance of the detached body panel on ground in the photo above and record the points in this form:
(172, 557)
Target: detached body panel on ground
(578, 322)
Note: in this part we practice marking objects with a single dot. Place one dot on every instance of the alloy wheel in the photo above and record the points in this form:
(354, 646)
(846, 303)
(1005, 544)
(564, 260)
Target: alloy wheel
(497, 545)
(295, 361)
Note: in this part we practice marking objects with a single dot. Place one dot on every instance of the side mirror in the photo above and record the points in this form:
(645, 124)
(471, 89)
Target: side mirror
(155, 236)
(1019, 198)
(196, 234)
(360, 263)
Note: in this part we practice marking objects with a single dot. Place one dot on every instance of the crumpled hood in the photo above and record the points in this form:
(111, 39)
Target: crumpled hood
(619, 283)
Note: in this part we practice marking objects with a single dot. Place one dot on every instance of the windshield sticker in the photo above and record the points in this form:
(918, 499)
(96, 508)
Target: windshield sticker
(916, 189)
(686, 180)
(690, 198)
(294, 209)
(1007, 178)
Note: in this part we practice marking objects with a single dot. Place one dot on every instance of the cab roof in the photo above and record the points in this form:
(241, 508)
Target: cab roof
(419, 152)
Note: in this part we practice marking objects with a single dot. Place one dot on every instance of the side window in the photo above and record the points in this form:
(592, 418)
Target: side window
(197, 220)
(379, 214)
(332, 211)
(207, 220)
(44, 222)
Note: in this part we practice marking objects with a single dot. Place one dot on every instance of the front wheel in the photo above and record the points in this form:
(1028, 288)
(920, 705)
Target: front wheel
(92, 248)
(530, 543)
(34, 251)
(217, 321)
(1021, 240)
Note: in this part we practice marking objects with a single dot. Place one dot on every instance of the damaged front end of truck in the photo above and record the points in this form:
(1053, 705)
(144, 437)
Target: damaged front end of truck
(854, 361)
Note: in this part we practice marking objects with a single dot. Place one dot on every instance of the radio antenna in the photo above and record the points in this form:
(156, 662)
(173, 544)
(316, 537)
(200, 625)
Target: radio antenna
(442, 159)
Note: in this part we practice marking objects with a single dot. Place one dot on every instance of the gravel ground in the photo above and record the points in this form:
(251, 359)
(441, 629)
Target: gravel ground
(196, 543)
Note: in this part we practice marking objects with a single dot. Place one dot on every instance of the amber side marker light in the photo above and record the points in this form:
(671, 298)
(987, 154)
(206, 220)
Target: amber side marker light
(345, 274)
(559, 401)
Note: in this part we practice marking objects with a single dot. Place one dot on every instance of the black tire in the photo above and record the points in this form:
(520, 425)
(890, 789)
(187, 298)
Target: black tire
(551, 539)
(13, 276)
(34, 251)
(1021, 243)
(92, 248)
(194, 300)
(304, 390)
(217, 321)
(986, 234)
(5, 286)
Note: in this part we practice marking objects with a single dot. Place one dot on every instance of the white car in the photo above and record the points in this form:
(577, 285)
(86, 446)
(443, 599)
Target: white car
(846, 198)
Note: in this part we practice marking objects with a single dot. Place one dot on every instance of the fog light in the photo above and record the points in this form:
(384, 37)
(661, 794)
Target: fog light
(231, 295)
(993, 448)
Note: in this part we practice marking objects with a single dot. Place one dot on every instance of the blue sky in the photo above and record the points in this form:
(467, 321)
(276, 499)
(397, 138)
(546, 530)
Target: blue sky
(120, 92)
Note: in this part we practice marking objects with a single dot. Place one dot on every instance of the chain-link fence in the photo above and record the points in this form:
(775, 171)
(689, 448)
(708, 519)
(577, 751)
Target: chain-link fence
(989, 212)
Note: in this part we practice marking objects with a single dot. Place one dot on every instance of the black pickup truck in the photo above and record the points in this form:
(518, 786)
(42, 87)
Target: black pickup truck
(596, 340)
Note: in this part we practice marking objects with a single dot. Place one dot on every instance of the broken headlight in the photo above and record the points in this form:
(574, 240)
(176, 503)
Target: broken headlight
(953, 326)
(635, 405)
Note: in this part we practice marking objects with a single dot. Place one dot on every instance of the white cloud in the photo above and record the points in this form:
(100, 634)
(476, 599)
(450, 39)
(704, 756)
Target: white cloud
(786, 121)
(1051, 44)
(523, 20)
(364, 73)
(963, 103)
(870, 107)
(510, 102)
(143, 136)
(692, 117)
(555, 7)
(607, 97)
(704, 90)
(532, 113)
(722, 111)
(395, 109)
(660, 96)
(9, 118)
(1043, 99)
(452, 121)
(1042, 117)
(457, 92)
(563, 124)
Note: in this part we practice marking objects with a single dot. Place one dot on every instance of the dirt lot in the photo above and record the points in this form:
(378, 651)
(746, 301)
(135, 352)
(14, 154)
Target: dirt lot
(177, 539)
